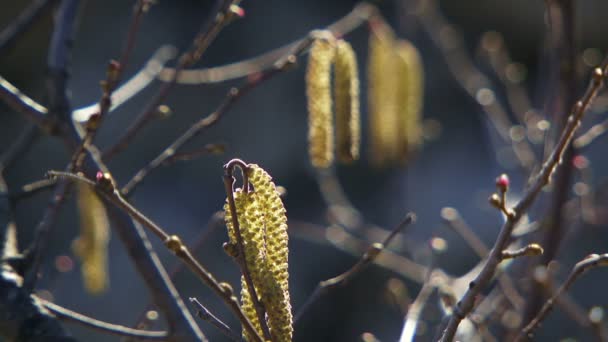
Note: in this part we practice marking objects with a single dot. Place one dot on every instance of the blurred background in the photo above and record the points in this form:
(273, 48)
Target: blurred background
(455, 168)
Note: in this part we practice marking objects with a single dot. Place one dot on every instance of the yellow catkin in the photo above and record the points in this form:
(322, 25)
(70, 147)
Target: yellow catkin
(275, 219)
(382, 83)
(318, 94)
(91, 246)
(411, 93)
(263, 226)
(346, 92)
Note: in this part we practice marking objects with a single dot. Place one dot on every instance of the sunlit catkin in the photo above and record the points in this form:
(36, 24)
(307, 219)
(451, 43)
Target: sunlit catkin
(91, 246)
(275, 220)
(346, 92)
(263, 228)
(410, 97)
(382, 82)
(318, 94)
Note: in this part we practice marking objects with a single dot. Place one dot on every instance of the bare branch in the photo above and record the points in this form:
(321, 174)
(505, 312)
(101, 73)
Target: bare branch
(465, 305)
(23, 22)
(115, 329)
(367, 258)
(591, 261)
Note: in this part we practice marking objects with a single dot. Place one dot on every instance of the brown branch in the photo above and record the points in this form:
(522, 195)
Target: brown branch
(466, 304)
(215, 222)
(107, 191)
(115, 329)
(360, 14)
(415, 310)
(591, 261)
(32, 189)
(188, 58)
(283, 64)
(367, 258)
(453, 220)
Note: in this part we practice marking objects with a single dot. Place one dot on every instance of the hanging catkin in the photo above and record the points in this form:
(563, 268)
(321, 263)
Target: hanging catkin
(263, 228)
(346, 92)
(318, 94)
(382, 92)
(410, 97)
(91, 246)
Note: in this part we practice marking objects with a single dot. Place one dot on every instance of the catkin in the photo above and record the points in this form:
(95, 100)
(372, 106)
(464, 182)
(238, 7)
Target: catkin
(411, 93)
(263, 228)
(346, 92)
(318, 94)
(382, 96)
(91, 246)
(275, 219)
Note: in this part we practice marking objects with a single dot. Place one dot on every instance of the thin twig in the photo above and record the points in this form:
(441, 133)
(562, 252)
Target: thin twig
(203, 313)
(199, 46)
(360, 14)
(562, 90)
(114, 75)
(172, 242)
(453, 220)
(367, 258)
(466, 304)
(476, 84)
(32, 189)
(231, 98)
(591, 261)
(22, 104)
(114, 329)
(215, 222)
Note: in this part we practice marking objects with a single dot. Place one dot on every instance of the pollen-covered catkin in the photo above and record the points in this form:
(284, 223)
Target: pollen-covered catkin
(275, 219)
(251, 229)
(346, 92)
(318, 94)
(91, 246)
(382, 92)
(410, 97)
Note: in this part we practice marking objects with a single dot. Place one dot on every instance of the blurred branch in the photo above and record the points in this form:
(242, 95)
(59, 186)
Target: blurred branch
(234, 94)
(367, 258)
(454, 221)
(23, 22)
(590, 135)
(203, 313)
(591, 261)
(60, 110)
(115, 329)
(202, 40)
(105, 188)
(216, 221)
(561, 50)
(360, 14)
(32, 189)
(415, 309)
(477, 85)
(22, 104)
(466, 304)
